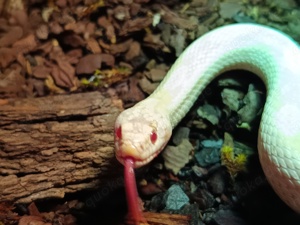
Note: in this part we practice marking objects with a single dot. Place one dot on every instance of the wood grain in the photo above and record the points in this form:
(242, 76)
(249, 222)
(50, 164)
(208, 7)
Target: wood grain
(55, 145)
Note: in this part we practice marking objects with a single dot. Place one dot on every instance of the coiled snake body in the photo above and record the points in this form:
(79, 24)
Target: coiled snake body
(143, 130)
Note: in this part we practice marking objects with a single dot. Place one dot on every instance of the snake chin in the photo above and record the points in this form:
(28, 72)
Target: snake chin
(137, 162)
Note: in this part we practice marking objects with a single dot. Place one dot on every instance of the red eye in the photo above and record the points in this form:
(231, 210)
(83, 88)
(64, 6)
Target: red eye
(118, 132)
(153, 137)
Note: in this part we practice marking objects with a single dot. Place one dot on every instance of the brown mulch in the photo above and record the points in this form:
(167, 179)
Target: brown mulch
(54, 47)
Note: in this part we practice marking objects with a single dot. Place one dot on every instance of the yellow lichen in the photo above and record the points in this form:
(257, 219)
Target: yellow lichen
(105, 78)
(234, 163)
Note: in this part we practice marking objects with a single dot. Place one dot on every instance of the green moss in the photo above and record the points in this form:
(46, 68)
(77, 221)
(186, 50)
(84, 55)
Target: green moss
(234, 163)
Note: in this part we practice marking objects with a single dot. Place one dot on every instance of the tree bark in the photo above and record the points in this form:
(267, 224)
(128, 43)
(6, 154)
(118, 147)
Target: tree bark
(55, 145)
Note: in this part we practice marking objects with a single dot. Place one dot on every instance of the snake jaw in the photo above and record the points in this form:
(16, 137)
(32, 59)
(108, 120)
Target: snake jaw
(128, 151)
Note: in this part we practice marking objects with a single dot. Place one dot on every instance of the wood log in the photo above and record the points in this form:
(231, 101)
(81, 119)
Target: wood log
(55, 145)
(154, 218)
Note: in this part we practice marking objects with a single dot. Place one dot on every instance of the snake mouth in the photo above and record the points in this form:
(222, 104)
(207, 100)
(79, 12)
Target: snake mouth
(137, 161)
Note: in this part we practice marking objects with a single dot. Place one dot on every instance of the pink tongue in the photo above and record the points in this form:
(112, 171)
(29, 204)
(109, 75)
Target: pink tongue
(135, 212)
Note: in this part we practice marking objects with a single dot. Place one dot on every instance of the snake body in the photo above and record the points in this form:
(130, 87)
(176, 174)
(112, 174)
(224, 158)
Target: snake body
(143, 130)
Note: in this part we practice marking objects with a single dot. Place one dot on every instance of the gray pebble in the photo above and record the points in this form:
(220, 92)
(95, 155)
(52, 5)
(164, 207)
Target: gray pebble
(175, 198)
(208, 156)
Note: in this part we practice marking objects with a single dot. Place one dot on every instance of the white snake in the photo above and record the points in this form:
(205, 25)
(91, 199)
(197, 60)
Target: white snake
(143, 130)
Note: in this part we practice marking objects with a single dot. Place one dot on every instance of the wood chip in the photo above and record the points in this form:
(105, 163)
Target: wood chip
(93, 45)
(25, 44)
(90, 63)
(153, 218)
(11, 36)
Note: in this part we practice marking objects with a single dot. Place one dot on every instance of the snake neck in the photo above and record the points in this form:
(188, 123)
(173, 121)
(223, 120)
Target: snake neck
(218, 52)
(271, 55)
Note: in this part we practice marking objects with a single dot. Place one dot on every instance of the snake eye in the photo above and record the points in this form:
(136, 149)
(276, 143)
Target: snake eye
(153, 137)
(118, 132)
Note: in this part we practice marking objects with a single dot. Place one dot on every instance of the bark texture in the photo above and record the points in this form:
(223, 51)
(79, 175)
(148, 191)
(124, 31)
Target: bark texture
(55, 145)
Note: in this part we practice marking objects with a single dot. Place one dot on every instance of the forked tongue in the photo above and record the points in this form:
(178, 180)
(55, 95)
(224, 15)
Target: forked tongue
(134, 209)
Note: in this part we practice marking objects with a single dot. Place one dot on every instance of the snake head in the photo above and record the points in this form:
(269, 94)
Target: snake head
(141, 134)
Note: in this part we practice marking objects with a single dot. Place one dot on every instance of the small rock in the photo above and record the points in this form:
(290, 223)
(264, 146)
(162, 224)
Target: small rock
(227, 217)
(175, 198)
(253, 105)
(212, 143)
(229, 9)
(201, 30)
(176, 157)
(275, 18)
(193, 211)
(208, 156)
(157, 202)
(232, 98)
(199, 171)
(242, 18)
(147, 86)
(204, 198)
(166, 30)
(140, 60)
(177, 41)
(156, 74)
(179, 134)
(209, 112)
(287, 4)
(211, 20)
(207, 217)
(150, 189)
(217, 182)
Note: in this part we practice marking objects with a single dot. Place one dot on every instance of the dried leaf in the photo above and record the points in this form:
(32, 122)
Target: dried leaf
(41, 71)
(11, 81)
(171, 17)
(26, 220)
(135, 25)
(11, 36)
(89, 63)
(25, 44)
(134, 51)
(46, 48)
(55, 27)
(74, 56)
(154, 41)
(33, 210)
(120, 47)
(73, 40)
(7, 55)
(109, 28)
(93, 45)
(7, 216)
(61, 78)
